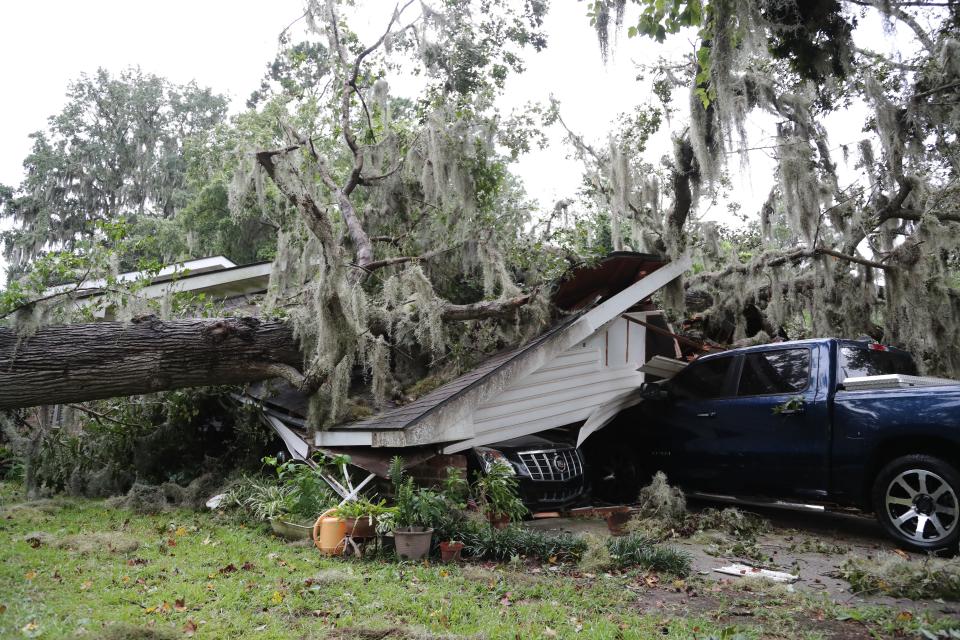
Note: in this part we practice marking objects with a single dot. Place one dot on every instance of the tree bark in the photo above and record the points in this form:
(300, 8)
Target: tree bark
(74, 363)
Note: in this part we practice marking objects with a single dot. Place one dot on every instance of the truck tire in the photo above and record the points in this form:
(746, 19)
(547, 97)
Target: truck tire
(917, 501)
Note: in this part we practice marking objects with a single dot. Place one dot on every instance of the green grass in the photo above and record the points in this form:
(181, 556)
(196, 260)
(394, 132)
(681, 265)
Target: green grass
(231, 580)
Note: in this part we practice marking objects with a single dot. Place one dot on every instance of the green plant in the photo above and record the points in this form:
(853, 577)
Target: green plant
(416, 507)
(363, 508)
(482, 541)
(456, 489)
(262, 498)
(307, 493)
(496, 492)
(639, 551)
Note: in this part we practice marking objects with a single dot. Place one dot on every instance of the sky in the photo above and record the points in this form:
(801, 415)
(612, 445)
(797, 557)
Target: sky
(226, 45)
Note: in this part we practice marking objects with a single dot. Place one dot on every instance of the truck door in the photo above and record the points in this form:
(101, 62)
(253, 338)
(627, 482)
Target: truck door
(691, 422)
(778, 429)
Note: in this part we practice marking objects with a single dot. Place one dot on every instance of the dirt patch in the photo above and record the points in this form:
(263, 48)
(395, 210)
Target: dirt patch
(124, 631)
(391, 633)
(679, 601)
(39, 538)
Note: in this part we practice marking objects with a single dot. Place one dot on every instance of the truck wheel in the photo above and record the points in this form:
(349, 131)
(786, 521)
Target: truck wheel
(917, 500)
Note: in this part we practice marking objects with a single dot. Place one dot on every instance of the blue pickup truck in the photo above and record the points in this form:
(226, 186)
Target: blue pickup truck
(803, 422)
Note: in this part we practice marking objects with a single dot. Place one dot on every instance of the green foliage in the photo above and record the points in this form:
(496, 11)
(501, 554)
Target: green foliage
(496, 492)
(232, 577)
(100, 448)
(263, 498)
(635, 550)
(306, 493)
(115, 150)
(416, 506)
(364, 508)
(482, 541)
(791, 405)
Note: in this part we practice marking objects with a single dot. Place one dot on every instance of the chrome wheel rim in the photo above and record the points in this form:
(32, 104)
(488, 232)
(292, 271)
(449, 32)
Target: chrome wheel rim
(921, 505)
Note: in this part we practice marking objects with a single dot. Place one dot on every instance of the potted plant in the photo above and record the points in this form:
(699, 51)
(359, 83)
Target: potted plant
(450, 550)
(416, 510)
(496, 492)
(361, 516)
(294, 502)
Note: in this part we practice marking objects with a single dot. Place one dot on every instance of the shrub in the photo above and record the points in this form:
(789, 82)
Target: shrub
(482, 541)
(639, 551)
(496, 492)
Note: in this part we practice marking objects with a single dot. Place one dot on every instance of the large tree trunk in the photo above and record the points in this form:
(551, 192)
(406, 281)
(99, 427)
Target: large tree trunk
(73, 363)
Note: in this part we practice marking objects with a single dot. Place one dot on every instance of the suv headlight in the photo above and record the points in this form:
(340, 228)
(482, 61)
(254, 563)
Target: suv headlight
(489, 457)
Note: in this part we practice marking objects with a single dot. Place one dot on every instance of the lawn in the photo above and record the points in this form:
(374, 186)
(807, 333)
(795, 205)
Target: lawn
(77, 568)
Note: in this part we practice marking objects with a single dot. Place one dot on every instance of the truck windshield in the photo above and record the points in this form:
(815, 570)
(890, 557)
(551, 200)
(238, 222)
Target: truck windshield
(856, 362)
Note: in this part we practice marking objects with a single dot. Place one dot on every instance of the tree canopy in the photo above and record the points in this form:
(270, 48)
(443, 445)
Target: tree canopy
(403, 242)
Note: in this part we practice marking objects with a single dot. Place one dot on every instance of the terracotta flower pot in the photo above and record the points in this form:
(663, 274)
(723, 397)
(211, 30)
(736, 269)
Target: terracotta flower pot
(617, 521)
(362, 528)
(412, 543)
(498, 521)
(450, 551)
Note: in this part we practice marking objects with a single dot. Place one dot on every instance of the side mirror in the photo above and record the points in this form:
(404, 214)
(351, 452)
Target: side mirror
(654, 391)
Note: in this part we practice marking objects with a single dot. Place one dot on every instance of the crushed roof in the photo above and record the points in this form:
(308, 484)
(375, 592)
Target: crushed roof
(408, 414)
(584, 287)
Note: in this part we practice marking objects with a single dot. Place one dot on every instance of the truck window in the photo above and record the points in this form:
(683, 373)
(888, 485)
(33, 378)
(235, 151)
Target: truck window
(856, 362)
(770, 372)
(703, 379)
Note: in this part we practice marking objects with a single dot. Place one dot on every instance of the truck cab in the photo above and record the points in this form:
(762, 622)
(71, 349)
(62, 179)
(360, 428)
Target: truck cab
(783, 421)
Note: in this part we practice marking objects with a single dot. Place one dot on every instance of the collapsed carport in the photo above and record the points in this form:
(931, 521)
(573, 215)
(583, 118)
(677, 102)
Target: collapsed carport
(577, 375)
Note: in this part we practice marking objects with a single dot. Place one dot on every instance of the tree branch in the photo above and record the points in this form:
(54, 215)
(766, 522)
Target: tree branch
(485, 309)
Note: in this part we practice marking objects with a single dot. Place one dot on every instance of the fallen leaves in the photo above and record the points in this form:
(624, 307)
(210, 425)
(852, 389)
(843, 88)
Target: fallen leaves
(30, 575)
(190, 628)
(179, 604)
(86, 585)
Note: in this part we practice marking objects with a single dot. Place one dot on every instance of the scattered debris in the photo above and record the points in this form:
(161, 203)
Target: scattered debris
(99, 541)
(152, 499)
(660, 500)
(891, 574)
(746, 571)
(596, 558)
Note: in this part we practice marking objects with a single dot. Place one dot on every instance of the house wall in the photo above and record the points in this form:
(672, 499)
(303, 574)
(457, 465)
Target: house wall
(567, 389)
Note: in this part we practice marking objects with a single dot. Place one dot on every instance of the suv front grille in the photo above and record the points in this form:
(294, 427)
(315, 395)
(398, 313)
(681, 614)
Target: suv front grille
(555, 465)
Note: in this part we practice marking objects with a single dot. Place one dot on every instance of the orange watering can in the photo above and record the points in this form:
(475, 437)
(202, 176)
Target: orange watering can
(329, 532)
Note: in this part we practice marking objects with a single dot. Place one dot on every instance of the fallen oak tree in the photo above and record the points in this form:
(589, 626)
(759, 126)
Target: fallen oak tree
(60, 364)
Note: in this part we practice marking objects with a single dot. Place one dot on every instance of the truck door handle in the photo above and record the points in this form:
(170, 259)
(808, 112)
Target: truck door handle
(793, 412)
(707, 414)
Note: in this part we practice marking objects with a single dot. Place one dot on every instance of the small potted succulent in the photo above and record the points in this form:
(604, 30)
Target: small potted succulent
(496, 492)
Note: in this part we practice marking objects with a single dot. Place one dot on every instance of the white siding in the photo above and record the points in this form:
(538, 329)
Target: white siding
(565, 390)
